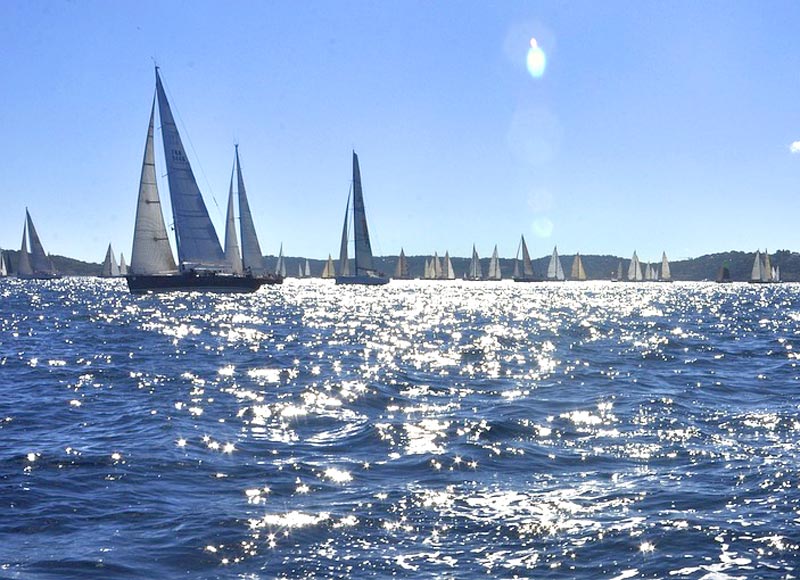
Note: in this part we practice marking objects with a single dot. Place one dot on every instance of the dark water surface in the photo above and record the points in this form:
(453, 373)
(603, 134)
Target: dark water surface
(420, 430)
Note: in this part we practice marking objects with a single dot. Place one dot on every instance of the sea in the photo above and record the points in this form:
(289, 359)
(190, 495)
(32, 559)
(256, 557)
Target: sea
(416, 430)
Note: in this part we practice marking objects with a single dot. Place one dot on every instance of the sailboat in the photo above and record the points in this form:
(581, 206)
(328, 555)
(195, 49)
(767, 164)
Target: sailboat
(280, 266)
(648, 273)
(527, 274)
(123, 267)
(555, 272)
(475, 271)
(666, 273)
(110, 268)
(635, 269)
(35, 265)
(364, 270)
(3, 265)
(329, 271)
(448, 273)
(762, 270)
(577, 273)
(401, 270)
(494, 273)
(724, 274)
(202, 263)
(618, 276)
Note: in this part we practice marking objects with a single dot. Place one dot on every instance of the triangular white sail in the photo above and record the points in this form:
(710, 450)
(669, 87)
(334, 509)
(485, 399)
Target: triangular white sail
(436, 266)
(329, 271)
(280, 267)
(427, 274)
(666, 274)
(197, 241)
(3, 265)
(401, 270)
(252, 259)
(123, 267)
(619, 271)
(448, 273)
(24, 264)
(109, 268)
(515, 273)
(648, 272)
(578, 273)
(307, 270)
(756, 273)
(494, 267)
(151, 253)
(344, 260)
(232, 255)
(527, 265)
(40, 262)
(299, 270)
(777, 276)
(555, 270)
(635, 269)
(475, 270)
(766, 270)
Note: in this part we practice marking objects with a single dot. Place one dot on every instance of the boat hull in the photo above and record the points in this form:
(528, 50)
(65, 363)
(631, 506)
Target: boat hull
(38, 276)
(523, 279)
(361, 279)
(198, 282)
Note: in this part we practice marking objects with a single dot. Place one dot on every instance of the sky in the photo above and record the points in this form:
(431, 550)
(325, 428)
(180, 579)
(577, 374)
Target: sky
(650, 126)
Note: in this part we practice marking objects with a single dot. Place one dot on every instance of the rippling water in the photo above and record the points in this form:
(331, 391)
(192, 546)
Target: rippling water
(425, 430)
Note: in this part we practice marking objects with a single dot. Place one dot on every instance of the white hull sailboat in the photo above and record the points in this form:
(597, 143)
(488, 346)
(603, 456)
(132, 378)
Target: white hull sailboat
(577, 272)
(202, 263)
(635, 269)
(401, 270)
(110, 268)
(555, 271)
(494, 273)
(666, 273)
(475, 271)
(363, 270)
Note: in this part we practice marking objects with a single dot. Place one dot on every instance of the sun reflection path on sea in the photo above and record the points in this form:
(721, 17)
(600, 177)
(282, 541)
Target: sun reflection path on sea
(440, 429)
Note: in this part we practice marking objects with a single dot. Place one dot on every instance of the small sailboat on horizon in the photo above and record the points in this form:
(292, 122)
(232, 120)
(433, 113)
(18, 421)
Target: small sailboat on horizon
(475, 272)
(555, 271)
(110, 268)
(635, 269)
(724, 274)
(35, 265)
(364, 271)
(523, 272)
(401, 270)
(577, 273)
(494, 274)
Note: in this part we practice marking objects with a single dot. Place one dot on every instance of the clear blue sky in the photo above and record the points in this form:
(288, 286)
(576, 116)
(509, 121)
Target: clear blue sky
(655, 126)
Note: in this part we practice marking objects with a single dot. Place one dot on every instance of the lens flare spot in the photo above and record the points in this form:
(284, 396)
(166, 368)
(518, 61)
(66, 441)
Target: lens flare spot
(536, 60)
(542, 227)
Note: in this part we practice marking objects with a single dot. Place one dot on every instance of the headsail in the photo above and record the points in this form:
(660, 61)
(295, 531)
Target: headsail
(123, 267)
(198, 244)
(756, 274)
(494, 267)
(448, 273)
(232, 255)
(344, 260)
(151, 253)
(555, 271)
(3, 266)
(24, 263)
(252, 259)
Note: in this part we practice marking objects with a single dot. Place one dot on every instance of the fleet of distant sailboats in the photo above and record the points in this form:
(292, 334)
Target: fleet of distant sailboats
(204, 264)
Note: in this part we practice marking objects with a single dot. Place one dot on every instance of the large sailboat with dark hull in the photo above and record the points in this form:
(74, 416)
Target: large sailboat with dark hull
(202, 264)
(363, 271)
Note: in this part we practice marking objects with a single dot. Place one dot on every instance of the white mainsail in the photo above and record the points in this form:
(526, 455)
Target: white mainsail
(110, 268)
(448, 273)
(280, 267)
(475, 270)
(766, 270)
(401, 270)
(329, 271)
(648, 272)
(363, 248)
(527, 265)
(232, 254)
(635, 269)
(151, 253)
(197, 241)
(436, 267)
(494, 267)
(756, 274)
(427, 273)
(577, 273)
(666, 274)
(554, 269)
(307, 270)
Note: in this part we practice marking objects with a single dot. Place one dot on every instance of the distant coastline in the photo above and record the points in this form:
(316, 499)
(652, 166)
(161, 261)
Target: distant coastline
(598, 267)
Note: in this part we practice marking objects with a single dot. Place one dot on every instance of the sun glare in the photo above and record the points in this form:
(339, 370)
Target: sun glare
(536, 60)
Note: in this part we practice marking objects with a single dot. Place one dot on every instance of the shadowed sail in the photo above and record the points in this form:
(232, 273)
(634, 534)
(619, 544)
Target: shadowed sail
(526, 274)
(365, 272)
(232, 254)
(494, 267)
(37, 263)
(475, 270)
(578, 273)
